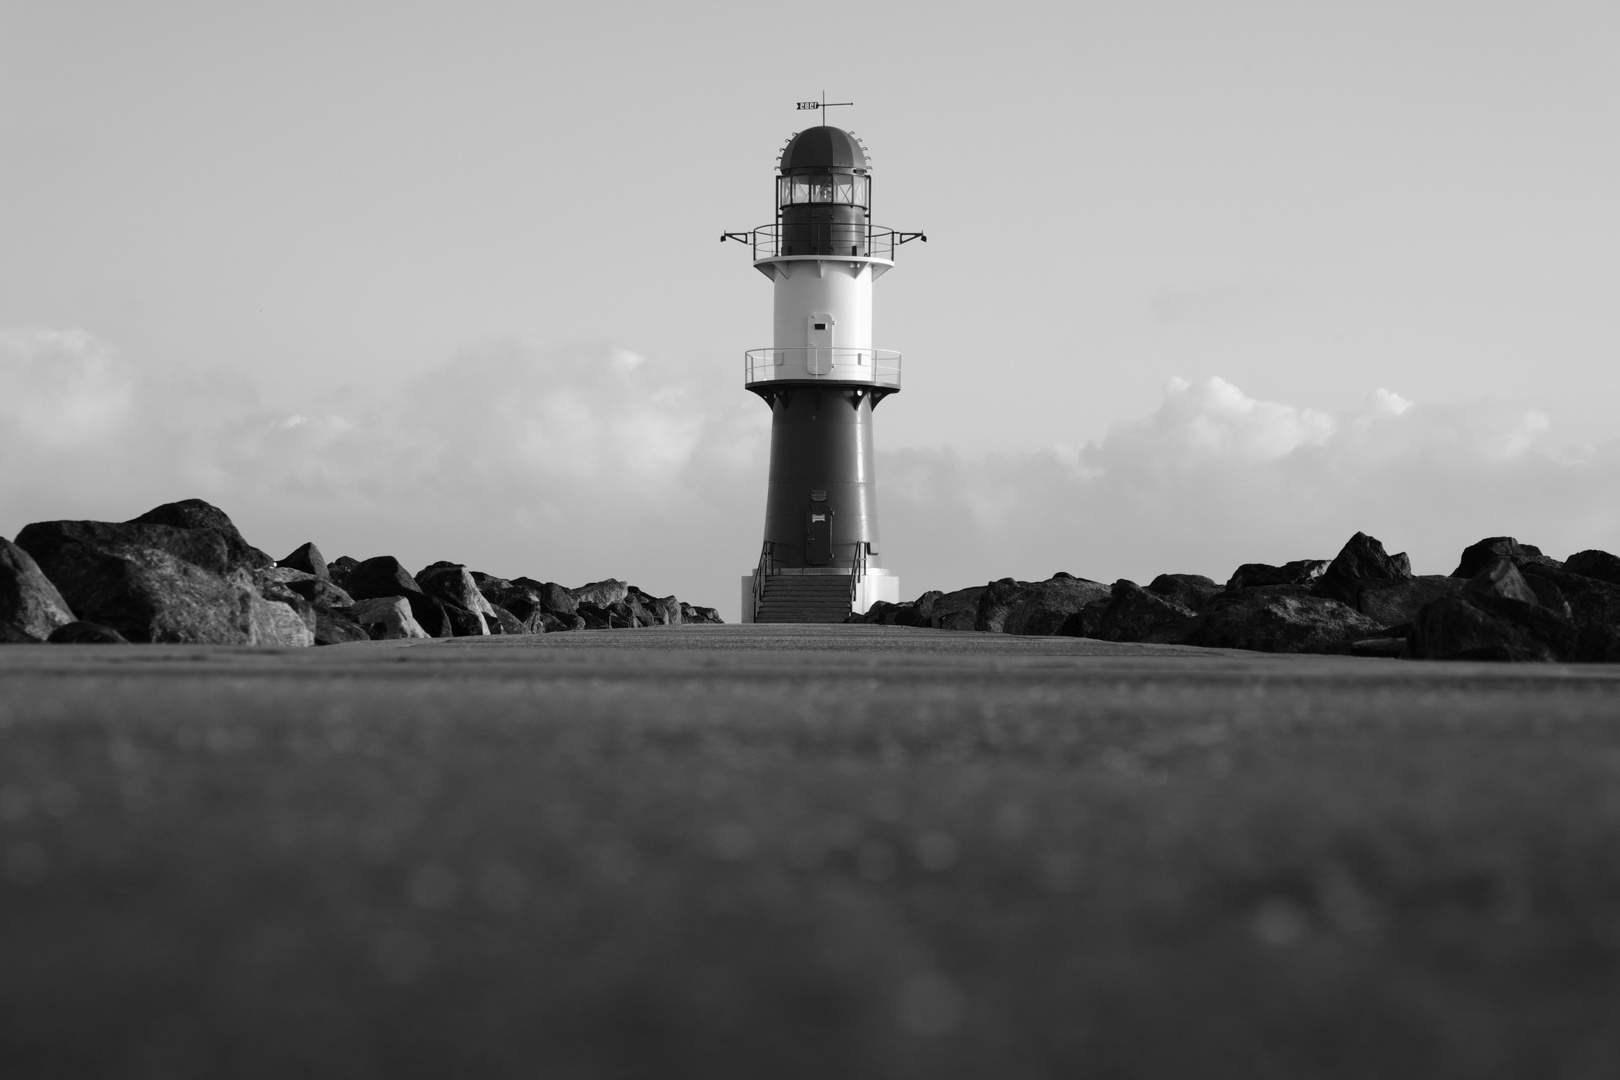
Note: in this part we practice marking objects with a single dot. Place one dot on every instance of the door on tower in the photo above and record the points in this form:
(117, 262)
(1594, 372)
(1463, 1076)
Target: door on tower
(818, 531)
(818, 333)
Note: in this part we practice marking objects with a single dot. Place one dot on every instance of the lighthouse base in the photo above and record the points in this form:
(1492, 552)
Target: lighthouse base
(874, 585)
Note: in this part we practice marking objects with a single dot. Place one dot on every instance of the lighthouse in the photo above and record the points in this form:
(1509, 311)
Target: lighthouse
(822, 378)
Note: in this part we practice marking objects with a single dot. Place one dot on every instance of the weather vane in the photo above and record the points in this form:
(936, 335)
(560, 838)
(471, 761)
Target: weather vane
(823, 104)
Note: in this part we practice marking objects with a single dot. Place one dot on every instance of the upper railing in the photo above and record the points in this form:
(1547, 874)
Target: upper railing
(824, 239)
(880, 367)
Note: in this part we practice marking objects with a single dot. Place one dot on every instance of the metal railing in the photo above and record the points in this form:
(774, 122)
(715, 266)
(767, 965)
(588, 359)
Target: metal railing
(880, 367)
(858, 572)
(824, 239)
(767, 563)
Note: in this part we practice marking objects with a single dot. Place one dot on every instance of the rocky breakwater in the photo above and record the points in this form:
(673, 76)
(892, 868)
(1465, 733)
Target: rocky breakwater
(184, 573)
(1504, 601)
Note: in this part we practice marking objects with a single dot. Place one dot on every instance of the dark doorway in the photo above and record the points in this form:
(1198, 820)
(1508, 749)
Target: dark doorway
(818, 535)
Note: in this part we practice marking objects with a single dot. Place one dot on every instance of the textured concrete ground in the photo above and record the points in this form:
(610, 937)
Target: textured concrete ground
(781, 851)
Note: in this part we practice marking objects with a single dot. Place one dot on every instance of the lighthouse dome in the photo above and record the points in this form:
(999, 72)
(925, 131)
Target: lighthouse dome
(823, 148)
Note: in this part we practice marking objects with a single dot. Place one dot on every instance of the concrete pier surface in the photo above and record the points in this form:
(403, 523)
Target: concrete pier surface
(778, 851)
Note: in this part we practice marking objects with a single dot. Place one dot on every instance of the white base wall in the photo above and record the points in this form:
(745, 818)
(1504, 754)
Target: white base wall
(878, 584)
(748, 598)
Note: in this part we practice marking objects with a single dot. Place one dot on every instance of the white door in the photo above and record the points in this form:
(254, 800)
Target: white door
(819, 336)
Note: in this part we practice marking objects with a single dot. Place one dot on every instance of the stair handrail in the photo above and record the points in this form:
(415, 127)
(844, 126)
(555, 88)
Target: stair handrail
(857, 573)
(766, 562)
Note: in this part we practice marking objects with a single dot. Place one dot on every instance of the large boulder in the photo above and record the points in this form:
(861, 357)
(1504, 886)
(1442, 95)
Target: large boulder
(1043, 606)
(996, 603)
(666, 610)
(1498, 616)
(377, 578)
(552, 596)
(957, 610)
(1361, 564)
(1087, 622)
(453, 584)
(1594, 563)
(1135, 614)
(308, 559)
(1395, 602)
(197, 515)
(160, 582)
(1188, 590)
(600, 593)
(338, 627)
(28, 600)
(388, 617)
(502, 621)
(340, 568)
(693, 615)
(1260, 575)
(1593, 605)
(1477, 556)
(1277, 618)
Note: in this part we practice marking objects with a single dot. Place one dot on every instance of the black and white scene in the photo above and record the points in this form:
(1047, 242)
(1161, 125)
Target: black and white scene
(727, 541)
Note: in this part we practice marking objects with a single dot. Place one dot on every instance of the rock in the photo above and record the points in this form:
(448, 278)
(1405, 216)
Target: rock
(283, 623)
(1279, 618)
(388, 618)
(1391, 603)
(1259, 575)
(323, 594)
(1477, 556)
(667, 610)
(463, 623)
(432, 614)
(691, 614)
(594, 616)
(1134, 614)
(507, 622)
(340, 568)
(1361, 563)
(1188, 590)
(996, 603)
(1595, 564)
(600, 593)
(553, 597)
(379, 577)
(1593, 605)
(155, 582)
(1386, 646)
(279, 592)
(308, 559)
(957, 610)
(1499, 577)
(86, 633)
(16, 635)
(1087, 622)
(196, 515)
(454, 584)
(336, 628)
(28, 600)
(1482, 626)
(1043, 606)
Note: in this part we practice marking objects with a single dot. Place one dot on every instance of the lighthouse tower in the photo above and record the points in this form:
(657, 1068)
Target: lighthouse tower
(822, 379)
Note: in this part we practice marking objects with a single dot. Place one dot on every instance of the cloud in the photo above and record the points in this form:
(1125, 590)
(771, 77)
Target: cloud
(1214, 478)
(580, 462)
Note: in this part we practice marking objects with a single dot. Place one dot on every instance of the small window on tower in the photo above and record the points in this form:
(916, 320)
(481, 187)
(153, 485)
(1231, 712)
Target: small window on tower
(821, 326)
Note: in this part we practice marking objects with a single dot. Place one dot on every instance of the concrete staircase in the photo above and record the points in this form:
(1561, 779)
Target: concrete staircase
(804, 598)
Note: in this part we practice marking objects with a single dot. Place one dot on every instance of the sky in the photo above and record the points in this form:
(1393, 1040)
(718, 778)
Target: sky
(1205, 283)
